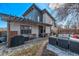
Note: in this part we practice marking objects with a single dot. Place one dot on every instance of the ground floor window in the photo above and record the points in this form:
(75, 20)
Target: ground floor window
(25, 29)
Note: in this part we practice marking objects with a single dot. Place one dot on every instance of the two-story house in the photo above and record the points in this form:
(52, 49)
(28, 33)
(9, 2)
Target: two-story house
(34, 21)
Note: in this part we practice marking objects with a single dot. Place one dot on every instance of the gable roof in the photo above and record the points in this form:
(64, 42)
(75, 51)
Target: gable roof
(28, 10)
(42, 11)
(45, 11)
(31, 8)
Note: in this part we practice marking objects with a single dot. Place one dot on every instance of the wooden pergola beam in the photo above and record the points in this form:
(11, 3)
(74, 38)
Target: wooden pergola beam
(8, 34)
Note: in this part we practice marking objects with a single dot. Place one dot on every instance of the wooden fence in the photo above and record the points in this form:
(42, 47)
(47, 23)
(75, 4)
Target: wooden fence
(65, 31)
(68, 31)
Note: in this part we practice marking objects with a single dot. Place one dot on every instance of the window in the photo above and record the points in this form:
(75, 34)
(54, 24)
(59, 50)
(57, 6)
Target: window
(38, 18)
(26, 29)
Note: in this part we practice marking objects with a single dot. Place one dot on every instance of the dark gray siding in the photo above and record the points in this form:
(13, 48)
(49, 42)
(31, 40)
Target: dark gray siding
(33, 15)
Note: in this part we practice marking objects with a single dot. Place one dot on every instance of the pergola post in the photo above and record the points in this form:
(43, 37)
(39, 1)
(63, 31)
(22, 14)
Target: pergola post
(43, 32)
(8, 33)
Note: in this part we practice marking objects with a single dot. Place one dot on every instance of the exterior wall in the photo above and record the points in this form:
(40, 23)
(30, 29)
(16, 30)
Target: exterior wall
(34, 14)
(16, 27)
(47, 19)
(35, 30)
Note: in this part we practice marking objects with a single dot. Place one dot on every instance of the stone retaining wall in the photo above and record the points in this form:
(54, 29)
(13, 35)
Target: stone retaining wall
(29, 48)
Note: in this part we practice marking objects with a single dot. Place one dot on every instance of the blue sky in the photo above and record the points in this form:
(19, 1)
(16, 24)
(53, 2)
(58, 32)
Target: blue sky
(17, 9)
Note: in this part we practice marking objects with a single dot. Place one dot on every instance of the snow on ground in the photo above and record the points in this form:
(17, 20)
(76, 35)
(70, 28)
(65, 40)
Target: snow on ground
(74, 39)
(60, 52)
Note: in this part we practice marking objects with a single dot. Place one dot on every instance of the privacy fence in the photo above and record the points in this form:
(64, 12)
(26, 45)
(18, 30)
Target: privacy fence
(67, 31)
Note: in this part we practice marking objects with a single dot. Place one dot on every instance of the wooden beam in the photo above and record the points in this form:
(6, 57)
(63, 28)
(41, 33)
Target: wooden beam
(8, 34)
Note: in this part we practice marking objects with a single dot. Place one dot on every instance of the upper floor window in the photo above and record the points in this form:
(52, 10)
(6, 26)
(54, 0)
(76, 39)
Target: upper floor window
(38, 18)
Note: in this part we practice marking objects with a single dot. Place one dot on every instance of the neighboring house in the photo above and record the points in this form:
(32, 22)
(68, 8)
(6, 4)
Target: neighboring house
(34, 21)
(3, 29)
